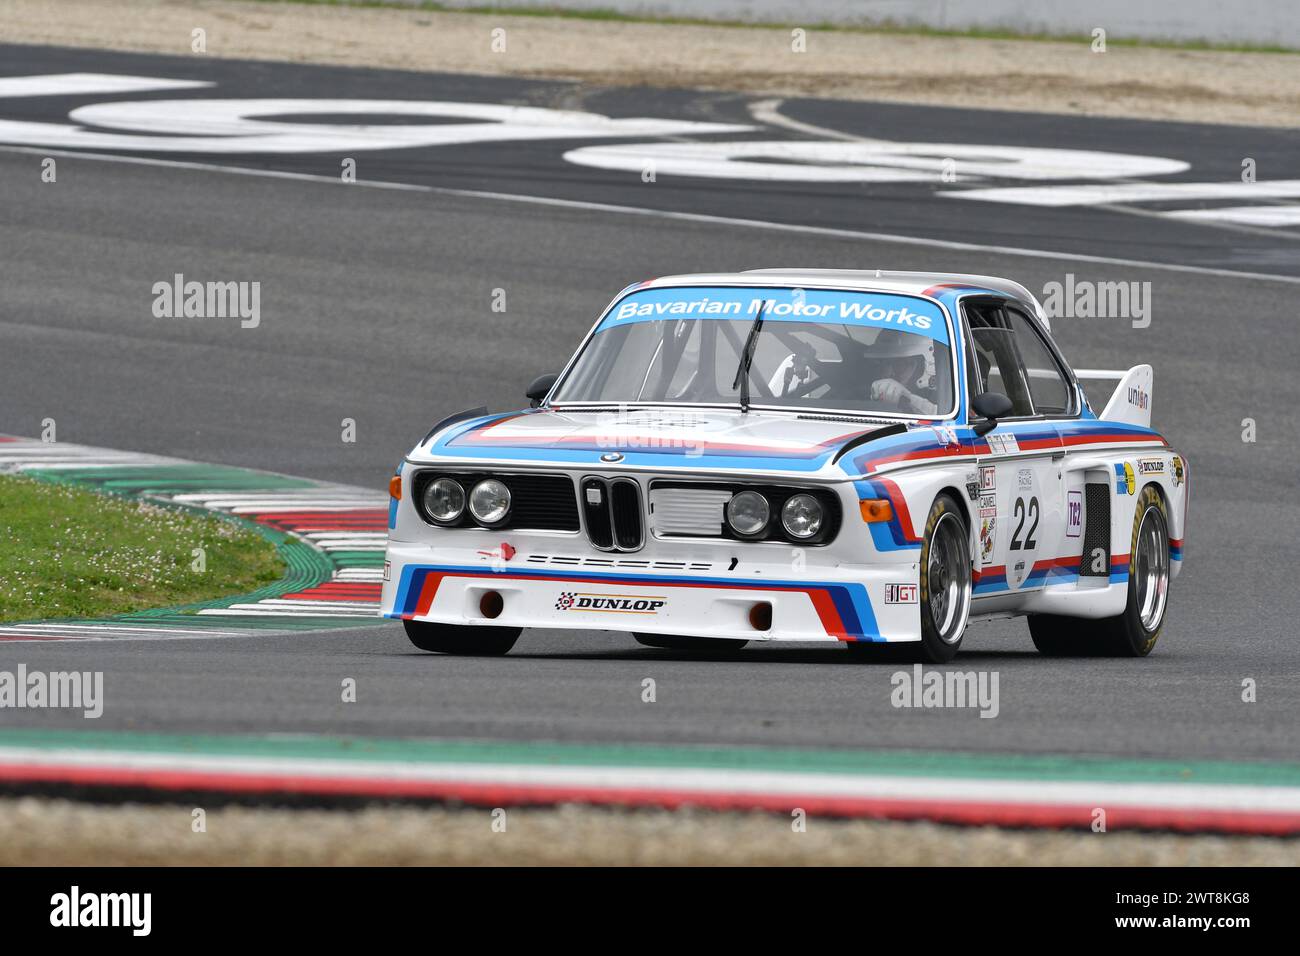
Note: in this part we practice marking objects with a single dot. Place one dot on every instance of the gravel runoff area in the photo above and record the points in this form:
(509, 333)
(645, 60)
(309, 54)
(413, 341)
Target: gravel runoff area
(1039, 76)
(54, 832)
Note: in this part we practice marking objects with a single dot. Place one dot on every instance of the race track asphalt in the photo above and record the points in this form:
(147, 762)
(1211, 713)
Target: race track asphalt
(377, 306)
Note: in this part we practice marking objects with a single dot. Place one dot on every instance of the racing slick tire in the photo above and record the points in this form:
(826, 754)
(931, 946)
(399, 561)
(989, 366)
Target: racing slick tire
(675, 642)
(477, 641)
(1135, 632)
(945, 592)
(946, 581)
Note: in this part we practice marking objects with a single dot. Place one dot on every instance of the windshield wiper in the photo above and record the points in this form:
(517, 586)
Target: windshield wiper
(747, 357)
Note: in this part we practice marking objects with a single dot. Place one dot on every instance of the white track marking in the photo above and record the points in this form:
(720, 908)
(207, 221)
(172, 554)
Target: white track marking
(1288, 215)
(701, 218)
(873, 161)
(769, 112)
(234, 126)
(70, 84)
(1098, 193)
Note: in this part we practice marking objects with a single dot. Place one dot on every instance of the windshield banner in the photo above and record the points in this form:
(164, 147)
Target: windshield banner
(826, 306)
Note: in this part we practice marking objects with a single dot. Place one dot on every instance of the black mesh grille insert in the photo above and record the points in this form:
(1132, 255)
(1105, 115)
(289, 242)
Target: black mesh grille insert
(1096, 531)
(627, 514)
(595, 509)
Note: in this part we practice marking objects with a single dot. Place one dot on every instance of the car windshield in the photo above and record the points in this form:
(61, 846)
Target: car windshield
(857, 352)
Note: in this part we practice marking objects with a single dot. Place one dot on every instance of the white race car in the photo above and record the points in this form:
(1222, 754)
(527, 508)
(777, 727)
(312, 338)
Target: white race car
(797, 455)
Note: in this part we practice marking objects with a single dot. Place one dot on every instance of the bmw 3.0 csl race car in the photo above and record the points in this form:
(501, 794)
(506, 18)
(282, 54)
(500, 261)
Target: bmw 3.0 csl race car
(798, 455)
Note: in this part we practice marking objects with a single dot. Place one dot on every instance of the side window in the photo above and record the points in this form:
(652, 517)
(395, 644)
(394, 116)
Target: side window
(995, 355)
(1047, 383)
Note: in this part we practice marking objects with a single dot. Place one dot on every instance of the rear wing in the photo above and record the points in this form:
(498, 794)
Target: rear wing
(1130, 403)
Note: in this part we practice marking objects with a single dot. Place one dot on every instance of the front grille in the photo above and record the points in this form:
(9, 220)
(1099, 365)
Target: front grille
(537, 502)
(689, 509)
(595, 509)
(611, 508)
(543, 502)
(677, 510)
(626, 507)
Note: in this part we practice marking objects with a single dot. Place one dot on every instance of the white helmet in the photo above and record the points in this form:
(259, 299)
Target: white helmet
(893, 344)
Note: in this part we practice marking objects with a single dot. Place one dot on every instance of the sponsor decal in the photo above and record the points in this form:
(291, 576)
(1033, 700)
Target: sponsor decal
(1179, 474)
(945, 434)
(1130, 480)
(1025, 478)
(972, 490)
(1003, 444)
(900, 593)
(1017, 575)
(388, 570)
(903, 313)
(988, 477)
(1138, 398)
(1073, 514)
(988, 533)
(1151, 466)
(989, 506)
(610, 603)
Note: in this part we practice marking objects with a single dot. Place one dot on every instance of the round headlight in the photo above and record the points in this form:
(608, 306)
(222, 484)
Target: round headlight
(489, 501)
(747, 513)
(801, 516)
(444, 500)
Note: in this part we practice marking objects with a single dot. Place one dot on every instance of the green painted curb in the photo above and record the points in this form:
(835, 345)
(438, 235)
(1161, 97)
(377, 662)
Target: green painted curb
(900, 763)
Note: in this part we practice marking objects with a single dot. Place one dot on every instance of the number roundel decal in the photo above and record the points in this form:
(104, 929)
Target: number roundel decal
(1025, 527)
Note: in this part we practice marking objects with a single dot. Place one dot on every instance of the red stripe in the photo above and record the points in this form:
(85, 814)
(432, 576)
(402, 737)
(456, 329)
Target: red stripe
(490, 794)
(1126, 438)
(1034, 444)
(899, 503)
(829, 614)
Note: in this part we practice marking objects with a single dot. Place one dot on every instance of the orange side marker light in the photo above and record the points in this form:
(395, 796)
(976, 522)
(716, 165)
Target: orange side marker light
(875, 509)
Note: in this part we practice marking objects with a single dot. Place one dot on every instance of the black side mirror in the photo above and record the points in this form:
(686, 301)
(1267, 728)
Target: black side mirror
(541, 385)
(990, 406)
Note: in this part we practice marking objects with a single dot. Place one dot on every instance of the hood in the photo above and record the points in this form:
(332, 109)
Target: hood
(662, 439)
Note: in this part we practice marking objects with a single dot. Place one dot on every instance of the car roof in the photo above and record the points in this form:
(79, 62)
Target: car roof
(874, 280)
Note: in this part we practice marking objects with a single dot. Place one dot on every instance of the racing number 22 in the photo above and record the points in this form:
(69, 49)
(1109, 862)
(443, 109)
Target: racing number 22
(1021, 512)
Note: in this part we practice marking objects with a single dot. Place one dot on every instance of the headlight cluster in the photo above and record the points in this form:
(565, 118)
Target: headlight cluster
(749, 514)
(445, 501)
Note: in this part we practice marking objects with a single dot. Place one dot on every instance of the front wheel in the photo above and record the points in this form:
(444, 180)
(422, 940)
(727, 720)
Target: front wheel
(1135, 632)
(477, 641)
(945, 591)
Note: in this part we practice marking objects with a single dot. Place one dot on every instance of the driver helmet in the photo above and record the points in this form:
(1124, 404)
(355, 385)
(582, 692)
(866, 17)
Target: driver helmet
(895, 348)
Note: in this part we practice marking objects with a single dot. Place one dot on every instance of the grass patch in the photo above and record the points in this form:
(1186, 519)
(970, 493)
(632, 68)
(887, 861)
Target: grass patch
(71, 552)
(887, 27)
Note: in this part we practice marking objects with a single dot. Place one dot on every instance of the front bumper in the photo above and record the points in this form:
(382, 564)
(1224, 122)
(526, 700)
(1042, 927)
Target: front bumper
(839, 603)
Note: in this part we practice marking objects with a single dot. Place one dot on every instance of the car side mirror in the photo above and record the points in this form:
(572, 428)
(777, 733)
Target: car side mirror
(540, 387)
(990, 406)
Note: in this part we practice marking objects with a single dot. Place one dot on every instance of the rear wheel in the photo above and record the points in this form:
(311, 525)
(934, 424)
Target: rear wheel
(677, 642)
(461, 639)
(1135, 632)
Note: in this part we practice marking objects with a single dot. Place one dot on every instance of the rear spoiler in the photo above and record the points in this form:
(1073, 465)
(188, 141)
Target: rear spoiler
(1130, 403)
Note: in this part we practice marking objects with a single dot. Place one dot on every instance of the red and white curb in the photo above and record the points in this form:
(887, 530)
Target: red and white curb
(1177, 805)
